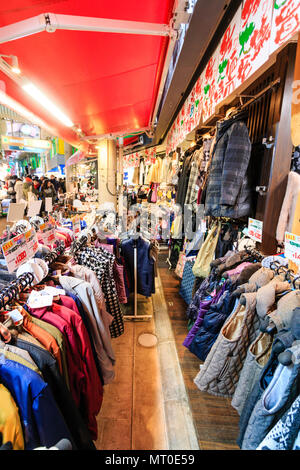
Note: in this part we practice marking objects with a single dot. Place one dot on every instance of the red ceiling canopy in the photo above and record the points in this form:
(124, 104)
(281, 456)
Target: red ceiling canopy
(104, 82)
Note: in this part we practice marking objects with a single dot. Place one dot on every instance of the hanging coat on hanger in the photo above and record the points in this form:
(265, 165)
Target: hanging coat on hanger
(228, 191)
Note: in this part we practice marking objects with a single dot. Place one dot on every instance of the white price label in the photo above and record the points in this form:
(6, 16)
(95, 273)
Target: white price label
(292, 247)
(20, 248)
(15, 212)
(47, 233)
(48, 204)
(255, 230)
(76, 225)
(39, 299)
(34, 208)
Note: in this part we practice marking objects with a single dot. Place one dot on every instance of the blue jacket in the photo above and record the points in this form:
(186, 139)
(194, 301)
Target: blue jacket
(212, 323)
(42, 422)
(145, 266)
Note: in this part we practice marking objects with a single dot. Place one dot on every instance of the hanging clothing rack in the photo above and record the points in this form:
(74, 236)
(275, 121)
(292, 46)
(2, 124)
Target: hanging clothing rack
(272, 85)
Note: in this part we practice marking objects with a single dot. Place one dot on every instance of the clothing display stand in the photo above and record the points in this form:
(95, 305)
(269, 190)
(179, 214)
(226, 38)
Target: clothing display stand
(136, 316)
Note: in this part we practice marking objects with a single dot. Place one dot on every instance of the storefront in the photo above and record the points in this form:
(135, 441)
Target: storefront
(156, 305)
(25, 156)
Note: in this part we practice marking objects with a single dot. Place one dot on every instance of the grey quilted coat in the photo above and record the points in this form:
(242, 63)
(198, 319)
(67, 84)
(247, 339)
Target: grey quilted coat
(228, 191)
(220, 372)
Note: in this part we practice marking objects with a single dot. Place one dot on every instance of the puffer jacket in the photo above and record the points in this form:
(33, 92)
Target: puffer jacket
(203, 309)
(257, 356)
(212, 323)
(228, 191)
(221, 369)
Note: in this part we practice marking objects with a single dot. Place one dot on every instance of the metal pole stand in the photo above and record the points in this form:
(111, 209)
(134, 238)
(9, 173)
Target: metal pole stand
(143, 304)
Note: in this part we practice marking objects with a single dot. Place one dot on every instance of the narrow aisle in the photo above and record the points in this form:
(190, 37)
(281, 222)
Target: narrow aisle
(132, 415)
(215, 420)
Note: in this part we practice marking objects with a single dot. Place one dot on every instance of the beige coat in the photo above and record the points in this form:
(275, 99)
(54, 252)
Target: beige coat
(288, 209)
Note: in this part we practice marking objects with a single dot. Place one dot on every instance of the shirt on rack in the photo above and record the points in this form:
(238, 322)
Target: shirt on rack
(10, 424)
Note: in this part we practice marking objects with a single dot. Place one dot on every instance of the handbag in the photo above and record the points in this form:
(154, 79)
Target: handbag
(187, 283)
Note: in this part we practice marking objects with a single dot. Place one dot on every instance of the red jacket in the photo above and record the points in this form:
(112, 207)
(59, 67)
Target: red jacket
(85, 382)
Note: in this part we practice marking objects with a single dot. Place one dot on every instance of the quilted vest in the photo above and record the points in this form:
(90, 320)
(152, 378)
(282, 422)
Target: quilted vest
(220, 372)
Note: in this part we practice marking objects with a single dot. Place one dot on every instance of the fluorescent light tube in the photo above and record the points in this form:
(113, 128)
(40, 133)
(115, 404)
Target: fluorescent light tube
(37, 95)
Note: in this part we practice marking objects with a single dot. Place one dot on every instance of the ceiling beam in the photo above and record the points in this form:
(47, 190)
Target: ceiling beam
(51, 22)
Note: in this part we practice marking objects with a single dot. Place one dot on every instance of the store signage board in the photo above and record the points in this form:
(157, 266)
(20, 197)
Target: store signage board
(47, 233)
(34, 208)
(7, 140)
(255, 229)
(15, 212)
(48, 204)
(257, 30)
(292, 247)
(19, 249)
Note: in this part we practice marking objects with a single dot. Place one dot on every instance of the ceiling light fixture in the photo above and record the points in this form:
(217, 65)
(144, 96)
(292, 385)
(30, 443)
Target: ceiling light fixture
(42, 99)
(14, 63)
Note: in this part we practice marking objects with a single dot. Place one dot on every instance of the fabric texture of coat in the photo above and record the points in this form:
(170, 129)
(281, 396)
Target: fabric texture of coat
(257, 357)
(228, 190)
(274, 402)
(220, 371)
(99, 325)
(36, 404)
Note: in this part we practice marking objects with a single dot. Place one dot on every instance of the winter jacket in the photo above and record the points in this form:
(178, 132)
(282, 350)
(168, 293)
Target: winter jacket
(145, 266)
(85, 384)
(211, 325)
(275, 401)
(36, 405)
(99, 326)
(257, 356)
(284, 339)
(204, 307)
(220, 371)
(47, 365)
(285, 435)
(228, 190)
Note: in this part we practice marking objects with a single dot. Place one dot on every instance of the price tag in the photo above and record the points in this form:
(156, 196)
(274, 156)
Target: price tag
(34, 208)
(15, 212)
(76, 225)
(47, 232)
(48, 204)
(292, 247)
(20, 248)
(255, 229)
(39, 299)
(16, 316)
(54, 291)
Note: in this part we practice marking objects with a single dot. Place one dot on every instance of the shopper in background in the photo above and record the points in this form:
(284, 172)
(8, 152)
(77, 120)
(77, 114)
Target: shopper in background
(62, 184)
(27, 187)
(19, 190)
(54, 182)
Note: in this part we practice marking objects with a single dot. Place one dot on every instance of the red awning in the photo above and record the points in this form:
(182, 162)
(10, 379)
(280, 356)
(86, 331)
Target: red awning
(104, 82)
